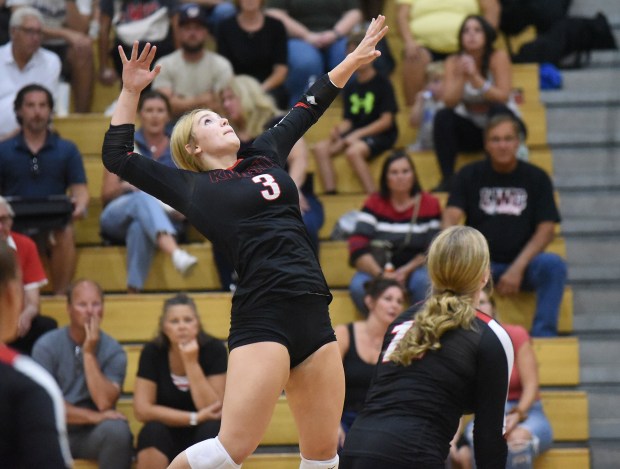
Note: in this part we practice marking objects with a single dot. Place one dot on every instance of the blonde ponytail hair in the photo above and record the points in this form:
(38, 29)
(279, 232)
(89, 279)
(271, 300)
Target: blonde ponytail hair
(458, 262)
(182, 135)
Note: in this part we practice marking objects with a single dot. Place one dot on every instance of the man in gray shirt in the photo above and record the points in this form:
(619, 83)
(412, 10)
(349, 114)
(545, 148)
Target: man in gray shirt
(89, 367)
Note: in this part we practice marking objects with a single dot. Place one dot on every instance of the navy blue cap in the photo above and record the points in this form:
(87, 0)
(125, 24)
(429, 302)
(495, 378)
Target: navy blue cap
(189, 12)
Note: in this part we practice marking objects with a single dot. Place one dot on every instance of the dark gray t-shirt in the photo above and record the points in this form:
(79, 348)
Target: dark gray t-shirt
(63, 359)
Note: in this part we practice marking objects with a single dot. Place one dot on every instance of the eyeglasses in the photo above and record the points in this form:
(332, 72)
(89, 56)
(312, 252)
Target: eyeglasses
(35, 170)
(30, 31)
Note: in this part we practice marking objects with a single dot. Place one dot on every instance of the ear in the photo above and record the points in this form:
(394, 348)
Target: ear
(192, 149)
(369, 302)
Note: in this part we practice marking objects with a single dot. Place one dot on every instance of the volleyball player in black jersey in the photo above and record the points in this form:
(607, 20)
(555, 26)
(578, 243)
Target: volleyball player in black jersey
(438, 362)
(281, 335)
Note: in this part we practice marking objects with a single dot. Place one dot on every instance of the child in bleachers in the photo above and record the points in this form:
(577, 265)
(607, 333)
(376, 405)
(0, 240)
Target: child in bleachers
(368, 127)
(427, 103)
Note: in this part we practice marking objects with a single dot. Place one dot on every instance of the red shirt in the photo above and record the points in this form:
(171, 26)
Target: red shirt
(33, 275)
(519, 336)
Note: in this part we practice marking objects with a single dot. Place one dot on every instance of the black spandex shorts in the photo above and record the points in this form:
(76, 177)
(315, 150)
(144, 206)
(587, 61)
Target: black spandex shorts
(300, 323)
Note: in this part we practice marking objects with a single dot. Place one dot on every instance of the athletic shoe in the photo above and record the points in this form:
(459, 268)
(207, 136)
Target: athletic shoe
(183, 261)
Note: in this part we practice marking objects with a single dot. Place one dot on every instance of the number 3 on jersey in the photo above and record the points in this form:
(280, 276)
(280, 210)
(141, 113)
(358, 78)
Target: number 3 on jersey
(273, 189)
(398, 332)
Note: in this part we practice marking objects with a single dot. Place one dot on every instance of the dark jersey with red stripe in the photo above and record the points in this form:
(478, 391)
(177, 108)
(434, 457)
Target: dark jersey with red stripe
(250, 212)
(412, 412)
(33, 432)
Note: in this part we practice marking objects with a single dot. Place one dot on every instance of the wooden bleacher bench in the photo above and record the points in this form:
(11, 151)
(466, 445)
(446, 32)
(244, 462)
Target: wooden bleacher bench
(556, 458)
(566, 410)
(557, 358)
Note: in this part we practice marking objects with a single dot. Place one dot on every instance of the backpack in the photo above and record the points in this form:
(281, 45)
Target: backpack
(568, 43)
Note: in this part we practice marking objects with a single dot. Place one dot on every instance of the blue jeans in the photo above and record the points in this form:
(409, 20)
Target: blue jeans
(314, 219)
(218, 13)
(306, 63)
(536, 423)
(136, 218)
(545, 275)
(417, 286)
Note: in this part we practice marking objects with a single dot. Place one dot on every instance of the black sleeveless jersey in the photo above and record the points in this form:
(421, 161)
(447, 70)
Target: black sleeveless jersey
(250, 211)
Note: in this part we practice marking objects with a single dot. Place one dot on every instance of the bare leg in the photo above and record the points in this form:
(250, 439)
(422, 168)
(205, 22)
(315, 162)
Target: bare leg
(82, 77)
(323, 157)
(62, 258)
(167, 243)
(414, 75)
(255, 379)
(357, 154)
(315, 394)
(151, 458)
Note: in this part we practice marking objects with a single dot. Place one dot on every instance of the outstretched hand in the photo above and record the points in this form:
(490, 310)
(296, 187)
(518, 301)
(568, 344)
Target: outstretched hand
(366, 50)
(364, 53)
(137, 73)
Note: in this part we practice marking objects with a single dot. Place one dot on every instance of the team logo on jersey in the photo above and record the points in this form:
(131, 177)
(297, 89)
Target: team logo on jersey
(503, 200)
(363, 104)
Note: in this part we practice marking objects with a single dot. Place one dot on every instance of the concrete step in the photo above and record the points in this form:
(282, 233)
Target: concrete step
(590, 7)
(580, 182)
(598, 251)
(586, 204)
(590, 227)
(579, 160)
(592, 300)
(604, 411)
(588, 85)
(595, 322)
(591, 275)
(605, 454)
(598, 123)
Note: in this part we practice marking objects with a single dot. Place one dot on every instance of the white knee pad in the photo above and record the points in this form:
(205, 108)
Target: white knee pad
(210, 454)
(309, 464)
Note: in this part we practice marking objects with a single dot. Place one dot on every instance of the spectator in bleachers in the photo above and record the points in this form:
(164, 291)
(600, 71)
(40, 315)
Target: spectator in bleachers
(65, 32)
(429, 31)
(386, 63)
(255, 44)
(528, 431)
(250, 111)
(317, 32)
(368, 127)
(37, 163)
(180, 385)
(191, 76)
(360, 344)
(215, 11)
(23, 61)
(512, 203)
(427, 103)
(33, 433)
(136, 218)
(31, 324)
(477, 85)
(128, 21)
(394, 231)
(89, 367)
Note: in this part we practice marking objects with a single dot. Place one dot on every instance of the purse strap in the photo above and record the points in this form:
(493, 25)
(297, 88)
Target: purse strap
(414, 217)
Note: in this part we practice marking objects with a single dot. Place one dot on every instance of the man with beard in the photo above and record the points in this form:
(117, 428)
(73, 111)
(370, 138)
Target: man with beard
(191, 76)
(36, 163)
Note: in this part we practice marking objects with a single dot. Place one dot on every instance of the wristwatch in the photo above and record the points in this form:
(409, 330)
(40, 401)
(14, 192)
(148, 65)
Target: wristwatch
(193, 419)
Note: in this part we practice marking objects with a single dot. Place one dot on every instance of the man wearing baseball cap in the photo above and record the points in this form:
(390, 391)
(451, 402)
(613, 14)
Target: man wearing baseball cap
(191, 76)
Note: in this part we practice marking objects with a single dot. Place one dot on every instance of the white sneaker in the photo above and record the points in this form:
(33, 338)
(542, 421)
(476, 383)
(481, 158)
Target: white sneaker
(183, 261)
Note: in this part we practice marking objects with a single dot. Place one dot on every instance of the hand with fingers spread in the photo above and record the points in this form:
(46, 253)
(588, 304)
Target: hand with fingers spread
(366, 51)
(137, 73)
